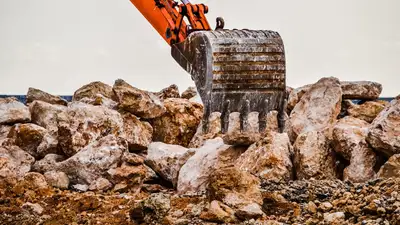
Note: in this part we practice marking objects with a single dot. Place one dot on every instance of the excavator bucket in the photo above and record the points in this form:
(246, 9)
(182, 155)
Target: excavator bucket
(236, 71)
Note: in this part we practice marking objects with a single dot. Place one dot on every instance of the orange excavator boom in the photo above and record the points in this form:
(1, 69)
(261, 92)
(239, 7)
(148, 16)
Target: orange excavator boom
(167, 17)
(234, 70)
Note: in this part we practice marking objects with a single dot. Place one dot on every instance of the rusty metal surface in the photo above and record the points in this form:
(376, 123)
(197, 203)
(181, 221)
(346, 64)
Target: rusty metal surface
(236, 71)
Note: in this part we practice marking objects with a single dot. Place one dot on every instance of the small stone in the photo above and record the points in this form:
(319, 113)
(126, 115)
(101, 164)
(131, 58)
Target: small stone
(326, 206)
(80, 187)
(57, 179)
(218, 212)
(334, 217)
(391, 168)
(100, 184)
(169, 92)
(251, 211)
(381, 210)
(311, 207)
(120, 187)
(35, 208)
(189, 93)
(133, 159)
(32, 181)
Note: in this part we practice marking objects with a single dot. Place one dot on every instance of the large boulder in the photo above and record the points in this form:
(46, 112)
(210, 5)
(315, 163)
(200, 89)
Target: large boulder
(295, 95)
(391, 169)
(269, 158)
(169, 92)
(249, 135)
(367, 111)
(349, 140)
(214, 131)
(82, 124)
(361, 90)
(166, 160)
(29, 137)
(92, 89)
(46, 115)
(12, 111)
(36, 94)
(14, 162)
(313, 156)
(139, 134)
(127, 177)
(138, 102)
(317, 109)
(234, 187)
(384, 133)
(89, 164)
(179, 124)
(213, 155)
(99, 99)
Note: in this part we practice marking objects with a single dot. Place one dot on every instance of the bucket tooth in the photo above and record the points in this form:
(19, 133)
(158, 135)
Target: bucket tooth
(244, 68)
(225, 117)
(244, 116)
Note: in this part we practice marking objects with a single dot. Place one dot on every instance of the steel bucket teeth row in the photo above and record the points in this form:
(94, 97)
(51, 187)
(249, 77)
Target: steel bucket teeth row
(244, 117)
(236, 71)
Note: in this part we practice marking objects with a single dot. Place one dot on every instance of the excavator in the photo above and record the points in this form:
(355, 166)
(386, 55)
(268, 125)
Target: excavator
(234, 70)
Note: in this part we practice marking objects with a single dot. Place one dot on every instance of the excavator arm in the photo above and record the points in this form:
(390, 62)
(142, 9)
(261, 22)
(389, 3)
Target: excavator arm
(234, 70)
(167, 17)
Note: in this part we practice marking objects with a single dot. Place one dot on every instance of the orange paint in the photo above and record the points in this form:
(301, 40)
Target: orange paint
(165, 18)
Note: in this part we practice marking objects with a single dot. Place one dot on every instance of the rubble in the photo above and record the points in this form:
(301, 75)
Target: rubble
(138, 102)
(169, 92)
(14, 162)
(214, 154)
(179, 123)
(12, 111)
(366, 90)
(367, 111)
(318, 108)
(385, 130)
(92, 89)
(314, 157)
(349, 140)
(189, 93)
(36, 94)
(269, 158)
(167, 160)
(121, 155)
(29, 137)
(81, 124)
(139, 134)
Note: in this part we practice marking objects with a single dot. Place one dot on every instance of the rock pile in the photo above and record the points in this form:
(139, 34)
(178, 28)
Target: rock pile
(121, 155)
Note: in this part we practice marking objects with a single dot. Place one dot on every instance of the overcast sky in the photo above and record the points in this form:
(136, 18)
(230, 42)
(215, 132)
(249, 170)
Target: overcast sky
(58, 45)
